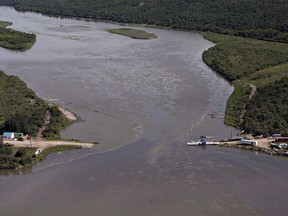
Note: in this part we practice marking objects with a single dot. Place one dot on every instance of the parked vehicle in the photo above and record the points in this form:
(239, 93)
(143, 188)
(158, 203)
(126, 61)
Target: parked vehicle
(281, 139)
(276, 135)
(20, 138)
(248, 142)
(237, 138)
(258, 137)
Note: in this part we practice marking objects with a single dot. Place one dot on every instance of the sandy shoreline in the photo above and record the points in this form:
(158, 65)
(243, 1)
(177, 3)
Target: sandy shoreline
(68, 114)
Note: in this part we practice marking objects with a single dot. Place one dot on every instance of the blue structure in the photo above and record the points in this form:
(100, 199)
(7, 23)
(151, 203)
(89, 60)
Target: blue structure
(8, 135)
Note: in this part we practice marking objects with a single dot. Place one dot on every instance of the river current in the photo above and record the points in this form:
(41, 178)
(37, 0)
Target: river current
(142, 100)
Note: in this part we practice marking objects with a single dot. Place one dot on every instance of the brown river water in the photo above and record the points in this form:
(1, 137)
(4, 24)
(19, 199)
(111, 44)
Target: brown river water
(142, 100)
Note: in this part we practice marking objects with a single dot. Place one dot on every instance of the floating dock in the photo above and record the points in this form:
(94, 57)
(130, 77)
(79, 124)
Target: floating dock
(199, 143)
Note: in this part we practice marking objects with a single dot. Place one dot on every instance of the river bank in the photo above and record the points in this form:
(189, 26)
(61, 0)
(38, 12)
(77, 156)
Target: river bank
(263, 147)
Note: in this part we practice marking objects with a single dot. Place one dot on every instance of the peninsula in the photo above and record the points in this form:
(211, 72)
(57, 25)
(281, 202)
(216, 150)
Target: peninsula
(27, 115)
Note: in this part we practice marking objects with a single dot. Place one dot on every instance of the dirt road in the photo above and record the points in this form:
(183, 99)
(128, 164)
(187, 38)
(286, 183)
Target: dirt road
(44, 143)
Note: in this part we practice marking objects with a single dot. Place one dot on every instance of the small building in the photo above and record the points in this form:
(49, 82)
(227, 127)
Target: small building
(8, 135)
(18, 135)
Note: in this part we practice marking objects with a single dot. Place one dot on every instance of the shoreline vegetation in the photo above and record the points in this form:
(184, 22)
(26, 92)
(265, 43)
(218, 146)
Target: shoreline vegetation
(15, 40)
(258, 71)
(133, 33)
(19, 156)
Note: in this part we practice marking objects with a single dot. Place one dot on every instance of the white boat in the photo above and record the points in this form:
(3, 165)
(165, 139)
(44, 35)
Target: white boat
(212, 143)
(38, 151)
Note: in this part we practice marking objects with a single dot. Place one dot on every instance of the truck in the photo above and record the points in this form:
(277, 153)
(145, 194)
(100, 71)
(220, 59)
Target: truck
(281, 139)
(248, 142)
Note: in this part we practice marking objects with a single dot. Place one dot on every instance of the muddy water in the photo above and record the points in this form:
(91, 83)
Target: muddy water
(142, 100)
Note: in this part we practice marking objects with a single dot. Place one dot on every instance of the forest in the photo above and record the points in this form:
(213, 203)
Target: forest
(268, 111)
(262, 19)
(22, 111)
(247, 63)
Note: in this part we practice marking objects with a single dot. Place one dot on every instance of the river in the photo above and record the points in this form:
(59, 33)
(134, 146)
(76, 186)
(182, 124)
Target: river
(142, 100)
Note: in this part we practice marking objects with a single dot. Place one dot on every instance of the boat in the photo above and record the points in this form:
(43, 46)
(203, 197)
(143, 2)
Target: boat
(204, 140)
(38, 151)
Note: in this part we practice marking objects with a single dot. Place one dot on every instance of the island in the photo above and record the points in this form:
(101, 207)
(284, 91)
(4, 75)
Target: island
(15, 40)
(133, 33)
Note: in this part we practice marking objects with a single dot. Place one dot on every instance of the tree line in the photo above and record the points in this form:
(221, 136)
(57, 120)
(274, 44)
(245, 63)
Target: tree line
(263, 19)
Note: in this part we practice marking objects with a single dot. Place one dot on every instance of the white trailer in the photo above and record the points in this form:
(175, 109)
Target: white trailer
(248, 142)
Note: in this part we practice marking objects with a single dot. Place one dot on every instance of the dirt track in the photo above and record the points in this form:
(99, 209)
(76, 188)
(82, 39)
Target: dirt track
(44, 143)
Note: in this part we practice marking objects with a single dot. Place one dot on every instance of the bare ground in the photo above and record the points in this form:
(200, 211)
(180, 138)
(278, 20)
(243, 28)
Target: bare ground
(41, 144)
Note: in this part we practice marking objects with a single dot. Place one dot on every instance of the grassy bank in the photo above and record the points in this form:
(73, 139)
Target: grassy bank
(4, 24)
(15, 40)
(133, 33)
(246, 63)
(54, 149)
(17, 157)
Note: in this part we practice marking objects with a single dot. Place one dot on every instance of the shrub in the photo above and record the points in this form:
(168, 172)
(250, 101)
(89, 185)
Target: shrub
(20, 153)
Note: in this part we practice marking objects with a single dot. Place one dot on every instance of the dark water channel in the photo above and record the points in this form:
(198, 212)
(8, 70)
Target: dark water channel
(142, 100)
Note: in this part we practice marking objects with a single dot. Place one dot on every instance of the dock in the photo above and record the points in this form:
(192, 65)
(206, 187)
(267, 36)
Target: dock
(199, 143)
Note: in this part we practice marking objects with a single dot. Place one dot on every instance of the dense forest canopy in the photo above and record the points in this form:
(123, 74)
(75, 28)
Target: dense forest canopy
(262, 19)
(267, 113)
(20, 109)
(247, 63)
